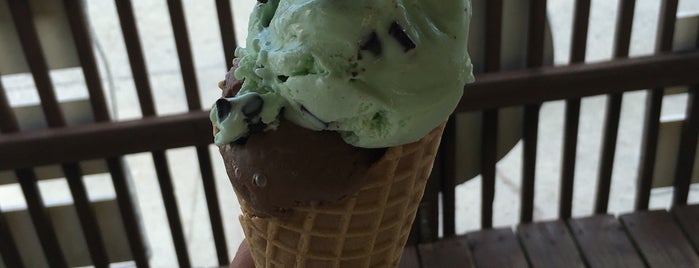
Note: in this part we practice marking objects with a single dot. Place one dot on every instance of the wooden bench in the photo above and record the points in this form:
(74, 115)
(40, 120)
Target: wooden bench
(640, 238)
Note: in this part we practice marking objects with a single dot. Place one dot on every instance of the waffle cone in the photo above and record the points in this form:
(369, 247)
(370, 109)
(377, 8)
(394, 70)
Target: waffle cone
(367, 229)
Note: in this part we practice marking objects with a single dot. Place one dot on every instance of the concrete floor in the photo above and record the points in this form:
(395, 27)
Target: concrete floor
(161, 59)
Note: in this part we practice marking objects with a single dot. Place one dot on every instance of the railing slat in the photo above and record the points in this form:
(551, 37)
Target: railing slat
(54, 118)
(447, 153)
(654, 101)
(173, 215)
(184, 51)
(139, 70)
(493, 43)
(526, 86)
(530, 140)
(688, 145)
(83, 42)
(530, 131)
(191, 87)
(570, 137)
(8, 122)
(537, 85)
(609, 138)
(83, 46)
(40, 217)
(212, 202)
(488, 165)
(88, 221)
(145, 97)
(611, 122)
(28, 37)
(687, 150)
(581, 22)
(8, 247)
(24, 23)
(127, 210)
(225, 22)
(581, 19)
(427, 218)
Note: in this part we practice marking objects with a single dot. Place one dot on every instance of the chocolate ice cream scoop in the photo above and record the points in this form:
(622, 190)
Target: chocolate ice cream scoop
(275, 171)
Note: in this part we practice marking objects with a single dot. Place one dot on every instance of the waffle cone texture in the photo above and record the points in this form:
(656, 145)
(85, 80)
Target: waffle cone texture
(367, 229)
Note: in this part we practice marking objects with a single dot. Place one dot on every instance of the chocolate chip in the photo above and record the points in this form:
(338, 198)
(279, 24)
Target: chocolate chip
(401, 36)
(223, 108)
(253, 107)
(355, 73)
(372, 44)
(257, 127)
(282, 78)
(262, 1)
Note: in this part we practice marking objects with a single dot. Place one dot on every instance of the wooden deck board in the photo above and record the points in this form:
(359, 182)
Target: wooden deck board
(688, 219)
(603, 242)
(549, 244)
(659, 239)
(450, 252)
(496, 248)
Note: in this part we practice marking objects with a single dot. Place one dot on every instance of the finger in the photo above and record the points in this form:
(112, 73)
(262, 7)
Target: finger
(243, 258)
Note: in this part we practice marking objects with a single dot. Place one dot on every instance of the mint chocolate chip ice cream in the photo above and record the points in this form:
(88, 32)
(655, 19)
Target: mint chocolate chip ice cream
(381, 73)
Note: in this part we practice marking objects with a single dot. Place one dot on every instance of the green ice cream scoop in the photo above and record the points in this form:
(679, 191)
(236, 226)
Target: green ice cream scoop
(380, 72)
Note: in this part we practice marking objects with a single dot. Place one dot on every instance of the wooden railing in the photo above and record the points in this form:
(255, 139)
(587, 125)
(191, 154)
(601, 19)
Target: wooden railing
(21, 151)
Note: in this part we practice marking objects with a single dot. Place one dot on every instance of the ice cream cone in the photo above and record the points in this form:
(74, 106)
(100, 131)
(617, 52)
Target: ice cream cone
(367, 229)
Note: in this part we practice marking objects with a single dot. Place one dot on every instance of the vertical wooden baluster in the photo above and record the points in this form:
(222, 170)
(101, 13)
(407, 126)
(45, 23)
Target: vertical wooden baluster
(530, 132)
(86, 215)
(447, 163)
(83, 44)
(191, 86)
(654, 101)
(572, 112)
(145, 97)
(54, 118)
(127, 209)
(611, 121)
(8, 121)
(428, 210)
(8, 247)
(79, 29)
(489, 132)
(688, 146)
(28, 37)
(225, 22)
(40, 217)
(687, 149)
